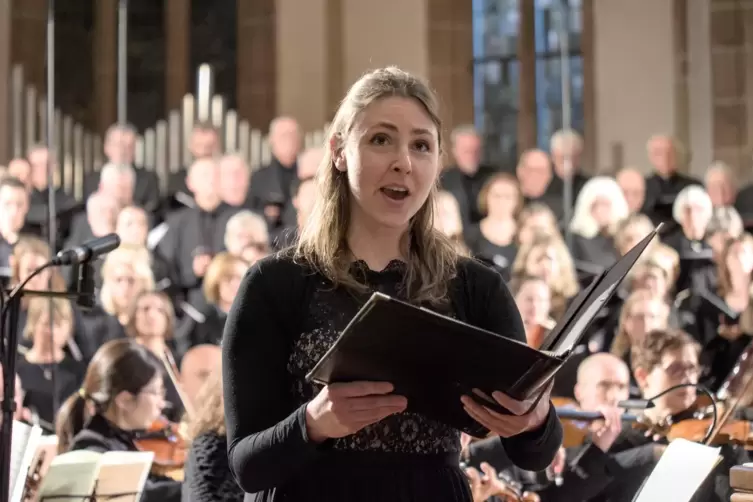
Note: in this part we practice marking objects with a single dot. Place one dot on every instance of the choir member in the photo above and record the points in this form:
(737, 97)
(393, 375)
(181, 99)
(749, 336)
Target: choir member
(725, 223)
(492, 240)
(197, 365)
(235, 181)
(48, 372)
(271, 186)
(449, 220)
(208, 475)
(204, 142)
(221, 284)
(547, 257)
(534, 172)
(303, 202)
(247, 236)
(125, 274)
(599, 208)
(20, 169)
(196, 234)
(535, 218)
(566, 151)
(122, 394)
(720, 184)
(14, 205)
(633, 186)
(467, 175)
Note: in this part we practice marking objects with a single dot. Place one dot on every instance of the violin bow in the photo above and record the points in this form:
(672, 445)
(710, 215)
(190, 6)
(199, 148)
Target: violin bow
(730, 410)
(172, 373)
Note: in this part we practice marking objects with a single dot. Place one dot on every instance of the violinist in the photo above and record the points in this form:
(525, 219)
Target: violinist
(666, 358)
(123, 393)
(592, 471)
(208, 476)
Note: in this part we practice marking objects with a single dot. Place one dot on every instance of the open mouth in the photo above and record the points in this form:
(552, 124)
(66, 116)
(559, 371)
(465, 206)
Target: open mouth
(395, 193)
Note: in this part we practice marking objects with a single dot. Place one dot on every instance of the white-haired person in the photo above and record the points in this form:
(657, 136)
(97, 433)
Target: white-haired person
(692, 212)
(599, 208)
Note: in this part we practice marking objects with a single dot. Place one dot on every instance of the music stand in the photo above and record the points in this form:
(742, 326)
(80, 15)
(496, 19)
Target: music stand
(9, 314)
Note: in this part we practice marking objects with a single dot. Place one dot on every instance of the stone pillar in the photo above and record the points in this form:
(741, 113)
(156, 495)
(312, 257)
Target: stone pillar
(177, 52)
(590, 134)
(105, 63)
(634, 77)
(731, 32)
(29, 40)
(5, 74)
(309, 60)
(257, 74)
(527, 117)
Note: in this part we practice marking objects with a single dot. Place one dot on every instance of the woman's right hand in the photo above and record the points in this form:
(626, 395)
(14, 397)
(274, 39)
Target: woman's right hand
(342, 409)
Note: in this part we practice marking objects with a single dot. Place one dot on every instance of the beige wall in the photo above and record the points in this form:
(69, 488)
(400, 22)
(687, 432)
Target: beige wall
(634, 79)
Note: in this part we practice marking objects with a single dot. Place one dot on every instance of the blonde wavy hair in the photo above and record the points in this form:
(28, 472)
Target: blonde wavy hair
(209, 415)
(137, 258)
(322, 245)
(725, 280)
(565, 285)
(622, 344)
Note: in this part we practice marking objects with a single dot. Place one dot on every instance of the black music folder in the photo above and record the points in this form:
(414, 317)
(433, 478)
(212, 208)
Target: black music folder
(433, 360)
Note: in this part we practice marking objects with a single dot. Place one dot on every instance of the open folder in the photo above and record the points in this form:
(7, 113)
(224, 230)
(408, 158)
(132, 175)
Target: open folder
(433, 360)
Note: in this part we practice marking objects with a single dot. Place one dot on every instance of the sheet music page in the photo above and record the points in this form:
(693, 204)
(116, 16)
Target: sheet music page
(682, 460)
(24, 442)
(123, 472)
(71, 477)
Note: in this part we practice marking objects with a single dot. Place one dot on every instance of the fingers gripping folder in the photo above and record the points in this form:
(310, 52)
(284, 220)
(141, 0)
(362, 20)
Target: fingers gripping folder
(416, 350)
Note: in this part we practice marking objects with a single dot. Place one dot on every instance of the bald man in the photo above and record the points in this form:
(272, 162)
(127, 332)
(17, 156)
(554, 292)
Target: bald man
(633, 186)
(196, 366)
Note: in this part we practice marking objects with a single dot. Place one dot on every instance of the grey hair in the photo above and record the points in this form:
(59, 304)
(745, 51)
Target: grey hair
(463, 130)
(722, 167)
(727, 220)
(566, 136)
(112, 169)
(690, 193)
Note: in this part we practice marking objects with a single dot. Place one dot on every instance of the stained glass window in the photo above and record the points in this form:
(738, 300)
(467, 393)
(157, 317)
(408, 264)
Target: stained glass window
(497, 70)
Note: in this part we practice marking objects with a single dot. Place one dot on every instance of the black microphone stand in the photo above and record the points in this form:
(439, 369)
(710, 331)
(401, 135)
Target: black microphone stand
(11, 308)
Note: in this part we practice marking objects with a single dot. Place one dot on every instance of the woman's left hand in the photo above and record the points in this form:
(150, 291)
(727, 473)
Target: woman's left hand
(507, 426)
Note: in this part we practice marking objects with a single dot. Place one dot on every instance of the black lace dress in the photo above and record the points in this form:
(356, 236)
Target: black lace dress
(283, 321)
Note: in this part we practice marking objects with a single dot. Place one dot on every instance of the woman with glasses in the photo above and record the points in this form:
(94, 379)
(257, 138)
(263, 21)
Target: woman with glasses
(123, 393)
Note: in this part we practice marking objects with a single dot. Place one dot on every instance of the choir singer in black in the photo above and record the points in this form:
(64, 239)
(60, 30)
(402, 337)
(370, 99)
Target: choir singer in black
(371, 229)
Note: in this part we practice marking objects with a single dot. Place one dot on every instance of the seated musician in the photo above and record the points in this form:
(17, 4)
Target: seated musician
(208, 476)
(151, 324)
(123, 393)
(664, 359)
(592, 471)
(47, 354)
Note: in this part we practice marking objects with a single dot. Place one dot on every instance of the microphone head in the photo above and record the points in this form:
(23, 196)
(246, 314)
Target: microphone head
(86, 297)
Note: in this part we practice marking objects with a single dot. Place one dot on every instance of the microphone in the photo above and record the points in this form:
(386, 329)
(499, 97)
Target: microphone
(636, 404)
(87, 251)
(85, 287)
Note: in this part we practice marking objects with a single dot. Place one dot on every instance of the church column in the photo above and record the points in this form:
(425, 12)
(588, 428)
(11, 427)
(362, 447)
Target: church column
(105, 63)
(5, 66)
(257, 74)
(177, 52)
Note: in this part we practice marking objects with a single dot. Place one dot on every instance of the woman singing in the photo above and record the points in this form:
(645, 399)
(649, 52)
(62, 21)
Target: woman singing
(371, 229)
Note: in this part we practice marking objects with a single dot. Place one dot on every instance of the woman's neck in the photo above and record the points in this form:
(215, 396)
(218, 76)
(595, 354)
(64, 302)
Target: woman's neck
(376, 244)
(156, 344)
(116, 420)
(499, 231)
(41, 353)
(224, 306)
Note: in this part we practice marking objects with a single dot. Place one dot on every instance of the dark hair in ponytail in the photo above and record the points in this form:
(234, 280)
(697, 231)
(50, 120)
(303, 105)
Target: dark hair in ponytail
(119, 365)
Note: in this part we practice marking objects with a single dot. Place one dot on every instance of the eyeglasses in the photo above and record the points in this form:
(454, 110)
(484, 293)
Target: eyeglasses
(155, 392)
(678, 370)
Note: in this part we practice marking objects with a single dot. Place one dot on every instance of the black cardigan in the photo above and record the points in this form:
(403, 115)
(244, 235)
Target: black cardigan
(268, 443)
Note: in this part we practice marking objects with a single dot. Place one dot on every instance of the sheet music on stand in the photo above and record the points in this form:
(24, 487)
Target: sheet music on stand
(87, 476)
(24, 443)
(682, 460)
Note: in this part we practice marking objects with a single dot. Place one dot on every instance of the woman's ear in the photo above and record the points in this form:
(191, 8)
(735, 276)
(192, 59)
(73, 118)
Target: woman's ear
(124, 401)
(338, 153)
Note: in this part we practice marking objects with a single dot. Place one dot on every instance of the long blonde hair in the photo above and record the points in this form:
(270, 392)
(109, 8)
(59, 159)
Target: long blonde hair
(322, 244)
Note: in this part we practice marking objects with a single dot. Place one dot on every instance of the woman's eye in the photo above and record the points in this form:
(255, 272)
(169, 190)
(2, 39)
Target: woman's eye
(379, 139)
(423, 146)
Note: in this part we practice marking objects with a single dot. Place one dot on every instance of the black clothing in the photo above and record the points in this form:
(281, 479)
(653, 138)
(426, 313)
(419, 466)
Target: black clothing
(284, 319)
(555, 191)
(206, 327)
(500, 258)
(661, 193)
(598, 251)
(466, 189)
(715, 487)
(145, 192)
(589, 475)
(101, 436)
(207, 473)
(697, 268)
(38, 221)
(36, 380)
(273, 185)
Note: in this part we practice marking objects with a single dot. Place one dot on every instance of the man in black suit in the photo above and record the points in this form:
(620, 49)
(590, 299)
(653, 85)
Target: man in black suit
(271, 185)
(120, 149)
(467, 175)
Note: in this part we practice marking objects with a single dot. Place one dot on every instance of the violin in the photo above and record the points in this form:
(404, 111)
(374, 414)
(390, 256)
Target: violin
(509, 490)
(163, 438)
(33, 480)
